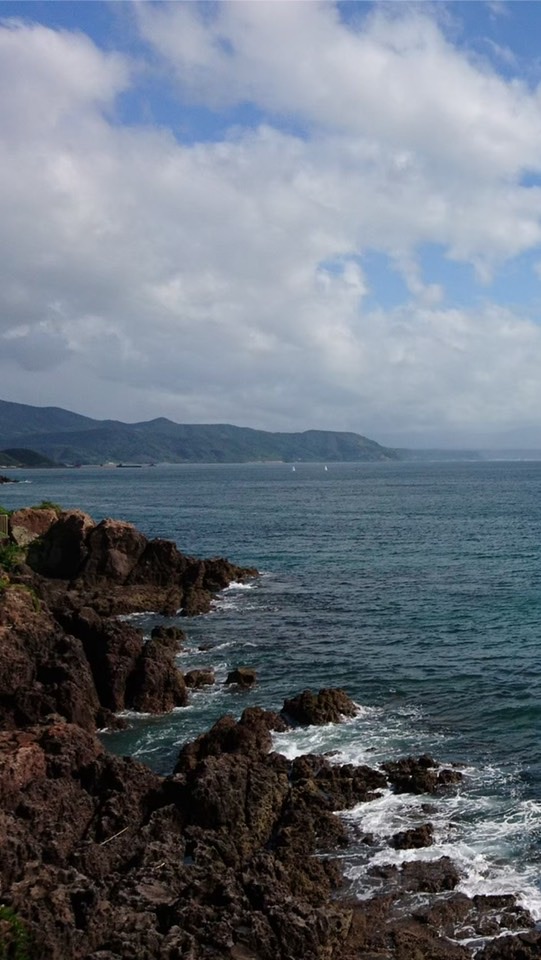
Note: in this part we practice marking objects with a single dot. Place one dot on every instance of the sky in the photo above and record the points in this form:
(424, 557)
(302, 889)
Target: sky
(283, 215)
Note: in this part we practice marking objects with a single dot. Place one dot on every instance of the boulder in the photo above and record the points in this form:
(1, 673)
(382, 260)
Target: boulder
(244, 677)
(250, 735)
(420, 876)
(28, 524)
(62, 550)
(328, 706)
(113, 551)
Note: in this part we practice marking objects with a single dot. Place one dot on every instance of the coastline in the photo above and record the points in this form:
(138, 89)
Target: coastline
(106, 859)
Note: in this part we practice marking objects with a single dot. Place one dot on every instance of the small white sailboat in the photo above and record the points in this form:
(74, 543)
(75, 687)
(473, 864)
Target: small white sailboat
(292, 469)
(325, 469)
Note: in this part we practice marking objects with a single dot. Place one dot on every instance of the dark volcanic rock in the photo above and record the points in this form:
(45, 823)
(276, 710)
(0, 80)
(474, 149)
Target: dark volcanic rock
(250, 735)
(103, 859)
(156, 685)
(117, 570)
(242, 677)
(113, 551)
(376, 933)
(428, 876)
(463, 918)
(327, 706)
(524, 946)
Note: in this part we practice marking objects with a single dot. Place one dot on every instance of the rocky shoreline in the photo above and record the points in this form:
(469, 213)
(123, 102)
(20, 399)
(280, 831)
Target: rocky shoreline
(236, 854)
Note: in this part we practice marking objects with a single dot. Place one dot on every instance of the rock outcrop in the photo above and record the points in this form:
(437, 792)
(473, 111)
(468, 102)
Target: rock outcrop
(28, 524)
(114, 568)
(61, 651)
(235, 854)
(104, 860)
(327, 706)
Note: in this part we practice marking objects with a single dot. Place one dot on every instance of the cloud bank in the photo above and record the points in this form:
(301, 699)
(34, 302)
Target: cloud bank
(227, 276)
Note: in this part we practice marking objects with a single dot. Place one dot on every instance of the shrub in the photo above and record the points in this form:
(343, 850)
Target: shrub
(47, 505)
(13, 936)
(10, 555)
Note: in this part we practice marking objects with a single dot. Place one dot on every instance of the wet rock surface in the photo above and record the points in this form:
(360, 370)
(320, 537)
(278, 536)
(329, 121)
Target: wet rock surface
(243, 677)
(327, 706)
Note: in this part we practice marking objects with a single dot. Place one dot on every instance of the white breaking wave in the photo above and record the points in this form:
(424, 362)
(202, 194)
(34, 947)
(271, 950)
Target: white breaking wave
(482, 826)
(238, 585)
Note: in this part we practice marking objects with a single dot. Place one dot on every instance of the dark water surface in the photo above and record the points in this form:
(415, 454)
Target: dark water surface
(415, 586)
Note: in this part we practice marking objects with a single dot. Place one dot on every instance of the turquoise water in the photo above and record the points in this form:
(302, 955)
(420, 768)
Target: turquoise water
(415, 586)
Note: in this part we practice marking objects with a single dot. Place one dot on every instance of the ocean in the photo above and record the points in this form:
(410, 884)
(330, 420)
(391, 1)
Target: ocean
(417, 587)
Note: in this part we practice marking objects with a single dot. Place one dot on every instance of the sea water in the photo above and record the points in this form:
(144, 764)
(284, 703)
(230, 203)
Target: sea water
(417, 587)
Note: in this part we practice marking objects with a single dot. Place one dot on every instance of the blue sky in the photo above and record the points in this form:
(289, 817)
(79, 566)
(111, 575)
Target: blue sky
(282, 215)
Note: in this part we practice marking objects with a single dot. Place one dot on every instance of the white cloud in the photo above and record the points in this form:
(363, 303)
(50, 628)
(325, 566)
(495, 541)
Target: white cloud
(225, 281)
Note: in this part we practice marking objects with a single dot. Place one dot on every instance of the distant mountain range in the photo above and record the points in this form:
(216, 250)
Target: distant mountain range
(70, 438)
(22, 457)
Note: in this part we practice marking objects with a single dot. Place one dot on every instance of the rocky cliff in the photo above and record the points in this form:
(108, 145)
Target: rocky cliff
(236, 854)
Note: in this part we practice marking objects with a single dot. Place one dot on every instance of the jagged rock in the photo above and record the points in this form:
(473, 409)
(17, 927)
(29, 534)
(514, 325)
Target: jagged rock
(128, 673)
(430, 876)
(42, 669)
(113, 550)
(327, 706)
(156, 685)
(338, 787)
(250, 735)
(103, 859)
(199, 678)
(242, 677)
(522, 946)
(462, 917)
(116, 569)
(30, 523)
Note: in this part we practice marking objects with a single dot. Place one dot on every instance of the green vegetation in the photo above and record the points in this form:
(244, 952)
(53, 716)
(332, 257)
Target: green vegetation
(23, 457)
(4, 512)
(14, 940)
(69, 438)
(47, 505)
(10, 555)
